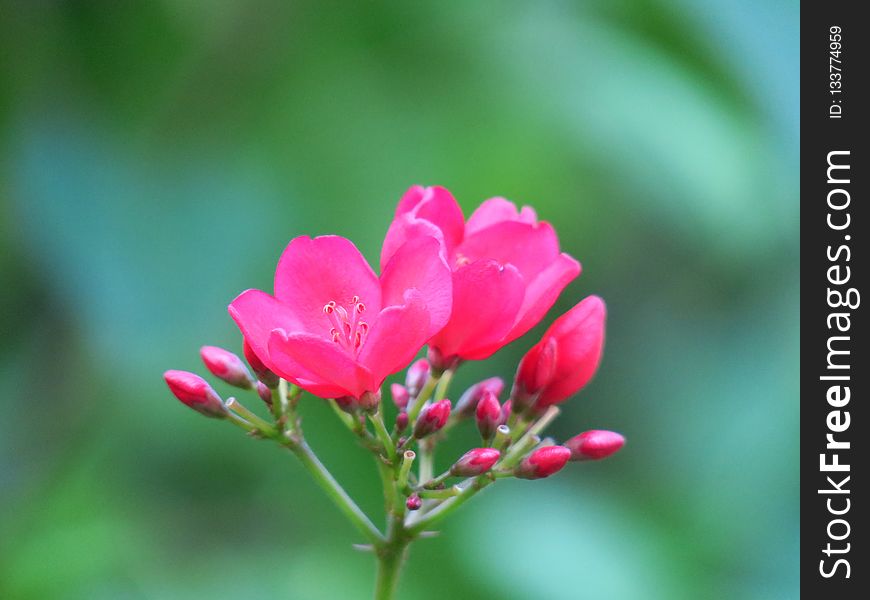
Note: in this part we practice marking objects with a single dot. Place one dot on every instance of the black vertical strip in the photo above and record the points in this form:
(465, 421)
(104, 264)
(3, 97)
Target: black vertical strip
(834, 337)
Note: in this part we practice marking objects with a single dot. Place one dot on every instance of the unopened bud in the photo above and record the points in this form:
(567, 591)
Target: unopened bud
(265, 393)
(414, 502)
(565, 359)
(488, 415)
(543, 462)
(369, 401)
(594, 445)
(438, 363)
(226, 365)
(432, 418)
(400, 395)
(417, 375)
(263, 372)
(475, 462)
(505, 412)
(195, 392)
(401, 421)
(469, 400)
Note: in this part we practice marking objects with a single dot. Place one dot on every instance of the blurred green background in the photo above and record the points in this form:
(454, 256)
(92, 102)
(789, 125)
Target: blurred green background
(156, 157)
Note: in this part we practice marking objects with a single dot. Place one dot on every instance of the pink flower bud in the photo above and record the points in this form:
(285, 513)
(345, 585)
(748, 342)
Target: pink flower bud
(263, 372)
(439, 363)
(506, 409)
(369, 401)
(195, 392)
(400, 395)
(543, 462)
(470, 398)
(417, 375)
(475, 462)
(594, 445)
(565, 359)
(488, 415)
(401, 421)
(414, 502)
(226, 365)
(432, 418)
(264, 392)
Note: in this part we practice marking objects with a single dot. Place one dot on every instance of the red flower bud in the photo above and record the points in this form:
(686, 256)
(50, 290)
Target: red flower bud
(543, 462)
(400, 395)
(475, 462)
(195, 392)
(414, 502)
(488, 415)
(401, 421)
(264, 392)
(594, 445)
(469, 400)
(565, 359)
(417, 375)
(263, 372)
(432, 418)
(226, 365)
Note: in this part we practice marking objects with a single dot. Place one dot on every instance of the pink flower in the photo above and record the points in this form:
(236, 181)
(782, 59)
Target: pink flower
(195, 392)
(543, 462)
(333, 327)
(507, 268)
(262, 371)
(417, 375)
(594, 445)
(488, 415)
(226, 365)
(565, 359)
(475, 462)
(470, 398)
(400, 395)
(432, 418)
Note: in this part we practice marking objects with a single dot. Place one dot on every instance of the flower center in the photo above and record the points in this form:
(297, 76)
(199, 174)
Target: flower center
(462, 260)
(348, 329)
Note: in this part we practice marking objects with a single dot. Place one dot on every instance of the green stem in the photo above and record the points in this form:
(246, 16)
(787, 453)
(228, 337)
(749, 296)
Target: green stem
(521, 445)
(252, 418)
(383, 435)
(390, 560)
(443, 384)
(441, 494)
(424, 395)
(427, 462)
(334, 490)
(448, 506)
(407, 461)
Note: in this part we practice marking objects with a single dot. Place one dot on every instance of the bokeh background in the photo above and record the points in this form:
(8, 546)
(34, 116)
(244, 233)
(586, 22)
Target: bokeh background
(156, 157)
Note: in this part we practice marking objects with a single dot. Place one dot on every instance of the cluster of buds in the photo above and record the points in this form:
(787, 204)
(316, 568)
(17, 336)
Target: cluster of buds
(337, 331)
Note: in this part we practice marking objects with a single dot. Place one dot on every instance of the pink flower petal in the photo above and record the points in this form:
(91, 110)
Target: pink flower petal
(542, 292)
(396, 336)
(257, 314)
(312, 272)
(331, 367)
(496, 210)
(530, 248)
(438, 206)
(420, 265)
(486, 298)
(403, 229)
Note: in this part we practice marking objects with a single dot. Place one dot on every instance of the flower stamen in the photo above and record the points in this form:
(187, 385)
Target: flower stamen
(347, 328)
